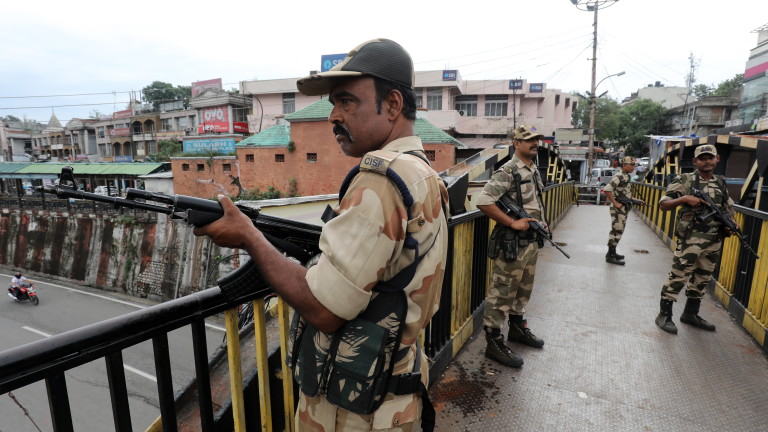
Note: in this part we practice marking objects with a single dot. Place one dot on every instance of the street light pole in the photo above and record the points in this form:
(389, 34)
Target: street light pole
(592, 6)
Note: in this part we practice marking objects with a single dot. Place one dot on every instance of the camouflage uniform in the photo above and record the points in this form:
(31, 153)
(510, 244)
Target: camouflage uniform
(621, 187)
(512, 282)
(364, 244)
(698, 243)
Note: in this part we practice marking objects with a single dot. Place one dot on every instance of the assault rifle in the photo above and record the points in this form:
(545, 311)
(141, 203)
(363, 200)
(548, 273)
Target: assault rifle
(511, 208)
(724, 218)
(630, 201)
(296, 239)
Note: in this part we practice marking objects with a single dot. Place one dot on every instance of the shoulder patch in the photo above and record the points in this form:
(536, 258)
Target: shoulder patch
(378, 161)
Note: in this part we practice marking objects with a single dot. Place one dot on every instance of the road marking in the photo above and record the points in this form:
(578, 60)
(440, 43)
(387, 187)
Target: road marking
(128, 368)
(103, 297)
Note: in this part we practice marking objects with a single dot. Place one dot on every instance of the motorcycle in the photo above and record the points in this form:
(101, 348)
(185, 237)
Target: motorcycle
(26, 292)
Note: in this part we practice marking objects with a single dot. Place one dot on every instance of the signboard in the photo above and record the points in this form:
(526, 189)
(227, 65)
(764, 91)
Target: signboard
(120, 132)
(122, 114)
(516, 84)
(327, 61)
(450, 75)
(536, 88)
(219, 145)
(123, 158)
(240, 126)
(199, 86)
(214, 119)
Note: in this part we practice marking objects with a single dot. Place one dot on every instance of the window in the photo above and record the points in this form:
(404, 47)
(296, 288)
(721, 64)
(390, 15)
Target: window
(289, 103)
(419, 99)
(240, 114)
(281, 157)
(249, 158)
(226, 167)
(466, 105)
(435, 98)
(183, 123)
(201, 167)
(311, 157)
(185, 167)
(430, 155)
(166, 124)
(101, 132)
(496, 105)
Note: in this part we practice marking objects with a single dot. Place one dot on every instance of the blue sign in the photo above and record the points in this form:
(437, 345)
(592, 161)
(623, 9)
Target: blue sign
(537, 88)
(450, 75)
(123, 158)
(218, 145)
(327, 61)
(515, 84)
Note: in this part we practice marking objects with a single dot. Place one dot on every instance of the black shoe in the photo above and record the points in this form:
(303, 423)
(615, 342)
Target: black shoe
(696, 321)
(497, 351)
(665, 323)
(614, 258)
(519, 332)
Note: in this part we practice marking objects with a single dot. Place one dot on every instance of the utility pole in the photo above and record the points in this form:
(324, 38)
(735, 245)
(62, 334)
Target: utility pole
(689, 81)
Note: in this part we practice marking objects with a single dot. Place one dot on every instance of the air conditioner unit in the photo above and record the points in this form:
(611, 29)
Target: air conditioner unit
(188, 129)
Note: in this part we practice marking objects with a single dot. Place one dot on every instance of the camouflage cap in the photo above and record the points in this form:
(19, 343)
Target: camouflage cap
(707, 148)
(381, 58)
(525, 133)
(627, 160)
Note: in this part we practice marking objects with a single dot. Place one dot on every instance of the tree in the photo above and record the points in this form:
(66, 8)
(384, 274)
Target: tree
(727, 87)
(11, 118)
(636, 121)
(95, 114)
(606, 117)
(159, 92)
(701, 91)
(167, 149)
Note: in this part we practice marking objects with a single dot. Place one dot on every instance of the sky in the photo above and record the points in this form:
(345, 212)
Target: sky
(80, 56)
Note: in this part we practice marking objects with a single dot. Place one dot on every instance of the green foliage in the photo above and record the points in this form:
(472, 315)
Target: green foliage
(10, 118)
(167, 149)
(701, 91)
(256, 194)
(159, 92)
(636, 121)
(724, 89)
(292, 189)
(291, 146)
(606, 117)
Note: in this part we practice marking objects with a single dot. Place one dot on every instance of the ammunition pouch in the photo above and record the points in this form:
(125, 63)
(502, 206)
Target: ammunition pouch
(506, 240)
(353, 366)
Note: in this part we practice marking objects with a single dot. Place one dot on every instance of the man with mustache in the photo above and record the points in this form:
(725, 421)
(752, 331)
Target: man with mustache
(698, 240)
(513, 247)
(388, 238)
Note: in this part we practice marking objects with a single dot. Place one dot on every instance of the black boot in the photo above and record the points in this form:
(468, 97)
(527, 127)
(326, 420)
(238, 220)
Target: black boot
(497, 351)
(664, 319)
(519, 332)
(611, 256)
(616, 254)
(691, 315)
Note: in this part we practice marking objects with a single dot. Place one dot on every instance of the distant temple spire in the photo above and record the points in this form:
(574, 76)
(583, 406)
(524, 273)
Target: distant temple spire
(54, 121)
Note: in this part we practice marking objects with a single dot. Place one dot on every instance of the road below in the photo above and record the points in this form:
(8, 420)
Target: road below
(65, 307)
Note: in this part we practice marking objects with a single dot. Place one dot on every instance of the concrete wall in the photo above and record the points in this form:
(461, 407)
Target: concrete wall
(139, 256)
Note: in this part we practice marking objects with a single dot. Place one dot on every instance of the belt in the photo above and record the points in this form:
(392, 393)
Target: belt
(704, 228)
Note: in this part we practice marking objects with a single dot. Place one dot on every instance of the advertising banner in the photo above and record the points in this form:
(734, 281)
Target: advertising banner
(199, 86)
(214, 119)
(219, 145)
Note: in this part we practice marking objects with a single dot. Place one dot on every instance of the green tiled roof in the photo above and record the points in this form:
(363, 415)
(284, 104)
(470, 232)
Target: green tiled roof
(11, 167)
(94, 168)
(423, 129)
(319, 110)
(278, 135)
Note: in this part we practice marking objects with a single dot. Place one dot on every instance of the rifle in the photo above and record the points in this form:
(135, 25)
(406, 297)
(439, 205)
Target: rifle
(295, 239)
(630, 201)
(725, 219)
(512, 209)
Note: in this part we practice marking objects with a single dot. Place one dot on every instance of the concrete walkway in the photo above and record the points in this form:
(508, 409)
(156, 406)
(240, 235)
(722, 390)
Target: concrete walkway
(605, 365)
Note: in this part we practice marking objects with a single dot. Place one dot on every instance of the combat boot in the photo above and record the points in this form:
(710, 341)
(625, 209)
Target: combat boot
(691, 315)
(664, 319)
(611, 256)
(497, 351)
(519, 332)
(616, 254)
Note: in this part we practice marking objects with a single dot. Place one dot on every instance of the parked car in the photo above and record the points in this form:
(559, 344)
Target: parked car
(602, 176)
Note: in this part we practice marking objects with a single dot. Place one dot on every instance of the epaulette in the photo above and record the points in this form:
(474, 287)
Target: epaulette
(378, 161)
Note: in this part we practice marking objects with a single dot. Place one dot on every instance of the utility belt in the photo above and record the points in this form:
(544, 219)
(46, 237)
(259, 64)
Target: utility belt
(510, 242)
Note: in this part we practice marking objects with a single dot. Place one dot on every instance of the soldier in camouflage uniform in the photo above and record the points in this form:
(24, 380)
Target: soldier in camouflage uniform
(698, 241)
(619, 187)
(513, 270)
(373, 116)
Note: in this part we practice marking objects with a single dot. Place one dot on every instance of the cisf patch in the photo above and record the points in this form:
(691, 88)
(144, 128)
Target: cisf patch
(378, 161)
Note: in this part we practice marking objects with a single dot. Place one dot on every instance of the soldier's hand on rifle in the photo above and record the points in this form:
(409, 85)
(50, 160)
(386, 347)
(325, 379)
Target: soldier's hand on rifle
(521, 224)
(693, 201)
(232, 230)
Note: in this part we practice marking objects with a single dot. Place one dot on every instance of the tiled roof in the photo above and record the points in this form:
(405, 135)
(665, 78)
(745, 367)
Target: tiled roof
(11, 167)
(278, 135)
(319, 110)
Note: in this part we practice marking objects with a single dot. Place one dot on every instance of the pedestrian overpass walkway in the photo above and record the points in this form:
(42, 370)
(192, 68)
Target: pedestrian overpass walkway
(605, 365)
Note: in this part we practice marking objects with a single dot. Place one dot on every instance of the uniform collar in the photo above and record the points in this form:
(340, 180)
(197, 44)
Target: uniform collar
(520, 164)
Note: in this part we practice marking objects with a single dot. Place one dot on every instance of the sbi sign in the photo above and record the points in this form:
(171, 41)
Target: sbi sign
(328, 61)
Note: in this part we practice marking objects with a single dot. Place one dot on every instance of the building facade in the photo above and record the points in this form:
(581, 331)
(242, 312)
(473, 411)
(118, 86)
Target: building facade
(754, 101)
(478, 112)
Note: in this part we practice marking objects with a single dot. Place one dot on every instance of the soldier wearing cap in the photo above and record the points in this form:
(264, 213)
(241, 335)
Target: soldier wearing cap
(372, 238)
(698, 240)
(619, 187)
(515, 265)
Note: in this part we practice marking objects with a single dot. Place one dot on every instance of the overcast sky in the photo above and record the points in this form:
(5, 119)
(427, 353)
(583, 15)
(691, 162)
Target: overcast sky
(77, 48)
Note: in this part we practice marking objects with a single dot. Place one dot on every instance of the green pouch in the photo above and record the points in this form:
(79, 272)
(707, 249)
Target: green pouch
(683, 228)
(494, 242)
(357, 379)
(308, 355)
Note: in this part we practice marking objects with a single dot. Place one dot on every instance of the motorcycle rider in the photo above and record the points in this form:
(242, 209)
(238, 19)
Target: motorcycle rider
(16, 282)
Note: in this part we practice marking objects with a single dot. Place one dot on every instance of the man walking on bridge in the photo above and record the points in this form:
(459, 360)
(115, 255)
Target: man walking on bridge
(516, 245)
(619, 187)
(698, 240)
